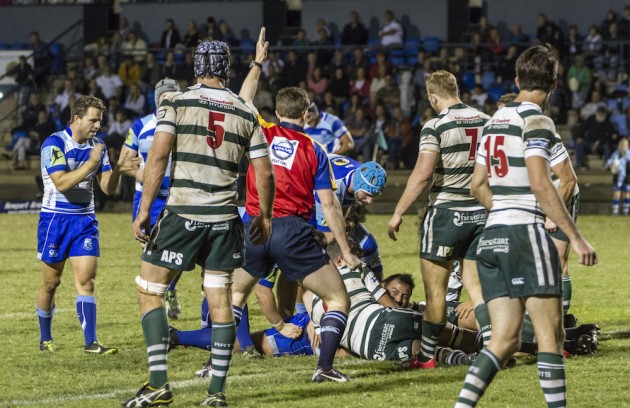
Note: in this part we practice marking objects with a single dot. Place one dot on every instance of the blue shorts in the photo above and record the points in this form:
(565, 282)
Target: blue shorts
(156, 208)
(62, 236)
(624, 188)
(292, 246)
(284, 346)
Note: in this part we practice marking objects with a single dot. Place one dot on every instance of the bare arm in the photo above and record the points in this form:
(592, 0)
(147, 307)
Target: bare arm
(479, 188)
(346, 144)
(65, 180)
(334, 218)
(125, 154)
(266, 186)
(269, 308)
(554, 208)
(154, 171)
(568, 179)
(126, 164)
(387, 301)
(416, 184)
(248, 89)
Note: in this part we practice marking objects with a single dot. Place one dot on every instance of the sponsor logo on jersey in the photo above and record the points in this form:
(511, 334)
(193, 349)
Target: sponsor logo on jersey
(494, 244)
(224, 226)
(161, 113)
(386, 335)
(541, 143)
(236, 255)
(518, 281)
(87, 244)
(340, 161)
(57, 157)
(172, 257)
(53, 253)
(283, 151)
(444, 251)
(193, 225)
(460, 219)
(402, 353)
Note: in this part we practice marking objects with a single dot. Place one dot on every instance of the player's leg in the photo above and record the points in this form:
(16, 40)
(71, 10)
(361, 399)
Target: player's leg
(435, 277)
(45, 302)
(626, 200)
(327, 284)
(616, 197)
(470, 280)
(546, 315)
(506, 315)
(172, 303)
(563, 248)
(286, 293)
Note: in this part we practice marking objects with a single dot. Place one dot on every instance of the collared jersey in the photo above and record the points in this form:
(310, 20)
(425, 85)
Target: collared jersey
(454, 135)
(213, 128)
(300, 166)
(61, 153)
(140, 139)
(343, 171)
(515, 132)
(328, 131)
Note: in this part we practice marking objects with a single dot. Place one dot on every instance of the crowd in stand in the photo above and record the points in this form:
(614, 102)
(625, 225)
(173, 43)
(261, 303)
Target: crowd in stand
(376, 86)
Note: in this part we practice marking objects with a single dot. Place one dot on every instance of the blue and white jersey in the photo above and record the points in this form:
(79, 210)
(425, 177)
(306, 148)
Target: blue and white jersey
(61, 153)
(328, 131)
(140, 139)
(619, 165)
(343, 170)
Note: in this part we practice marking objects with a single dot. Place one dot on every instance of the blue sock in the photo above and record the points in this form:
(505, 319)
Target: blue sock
(201, 338)
(86, 311)
(333, 325)
(242, 331)
(300, 308)
(45, 323)
(174, 281)
(206, 320)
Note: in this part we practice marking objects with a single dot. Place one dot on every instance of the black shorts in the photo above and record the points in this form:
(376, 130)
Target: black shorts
(292, 246)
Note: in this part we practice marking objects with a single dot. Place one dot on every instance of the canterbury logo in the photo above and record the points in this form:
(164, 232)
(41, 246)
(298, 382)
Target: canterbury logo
(518, 281)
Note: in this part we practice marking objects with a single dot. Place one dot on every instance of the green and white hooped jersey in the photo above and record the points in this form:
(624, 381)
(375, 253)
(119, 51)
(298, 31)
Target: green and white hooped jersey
(516, 132)
(214, 128)
(364, 309)
(454, 135)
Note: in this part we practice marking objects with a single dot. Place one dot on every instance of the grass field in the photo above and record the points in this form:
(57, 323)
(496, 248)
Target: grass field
(69, 378)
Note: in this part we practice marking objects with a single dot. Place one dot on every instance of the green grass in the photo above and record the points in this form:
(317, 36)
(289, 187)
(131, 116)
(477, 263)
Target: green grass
(69, 378)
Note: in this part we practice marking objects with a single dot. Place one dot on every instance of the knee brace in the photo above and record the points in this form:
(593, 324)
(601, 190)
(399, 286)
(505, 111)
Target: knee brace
(150, 288)
(217, 281)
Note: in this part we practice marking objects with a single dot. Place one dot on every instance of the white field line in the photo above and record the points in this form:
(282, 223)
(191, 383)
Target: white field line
(22, 315)
(176, 385)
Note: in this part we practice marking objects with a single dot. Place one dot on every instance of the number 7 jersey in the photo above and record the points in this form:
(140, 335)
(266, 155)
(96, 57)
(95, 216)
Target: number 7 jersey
(453, 135)
(515, 133)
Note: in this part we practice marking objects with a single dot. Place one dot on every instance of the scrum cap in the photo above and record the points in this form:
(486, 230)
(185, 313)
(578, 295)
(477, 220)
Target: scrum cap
(212, 58)
(369, 177)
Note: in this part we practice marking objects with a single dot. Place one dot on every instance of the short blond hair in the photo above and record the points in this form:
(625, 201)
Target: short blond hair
(443, 84)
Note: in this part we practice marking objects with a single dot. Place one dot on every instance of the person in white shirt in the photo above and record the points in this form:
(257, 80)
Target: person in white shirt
(392, 32)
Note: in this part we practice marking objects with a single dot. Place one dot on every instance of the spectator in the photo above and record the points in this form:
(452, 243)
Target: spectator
(337, 61)
(116, 134)
(63, 98)
(406, 92)
(596, 135)
(358, 60)
(590, 107)
(101, 46)
(135, 47)
(339, 86)
(301, 42)
(389, 95)
(358, 126)
(227, 35)
(484, 29)
(325, 54)
(442, 61)
(94, 90)
(579, 80)
(607, 62)
(593, 43)
(185, 72)
(376, 84)
(381, 60)
(574, 41)
(116, 50)
(151, 72)
(399, 133)
(624, 23)
(135, 102)
(354, 33)
(321, 24)
(316, 82)
(360, 85)
(330, 105)
(191, 38)
(380, 123)
(40, 131)
(24, 77)
(263, 98)
(275, 81)
(31, 111)
(90, 71)
(549, 32)
(170, 36)
(611, 17)
(507, 68)
(169, 68)
(494, 45)
(209, 30)
(294, 70)
(41, 58)
(355, 103)
(478, 97)
(517, 37)
(130, 71)
(111, 85)
(392, 31)
(475, 53)
(273, 59)
(66, 113)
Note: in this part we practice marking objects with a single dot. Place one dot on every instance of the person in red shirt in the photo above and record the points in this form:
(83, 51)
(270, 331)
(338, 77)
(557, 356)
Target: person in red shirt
(301, 167)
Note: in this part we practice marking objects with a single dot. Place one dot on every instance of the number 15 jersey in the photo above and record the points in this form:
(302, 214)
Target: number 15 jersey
(515, 133)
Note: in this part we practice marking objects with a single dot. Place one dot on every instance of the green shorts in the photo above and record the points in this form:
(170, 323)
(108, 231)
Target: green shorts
(393, 334)
(449, 234)
(179, 243)
(518, 261)
(573, 208)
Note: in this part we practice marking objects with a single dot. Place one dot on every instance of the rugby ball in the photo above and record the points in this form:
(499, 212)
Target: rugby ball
(614, 166)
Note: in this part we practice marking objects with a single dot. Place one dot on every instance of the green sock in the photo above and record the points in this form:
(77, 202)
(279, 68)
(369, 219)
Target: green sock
(566, 293)
(483, 320)
(223, 336)
(479, 376)
(553, 379)
(527, 332)
(430, 335)
(155, 329)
